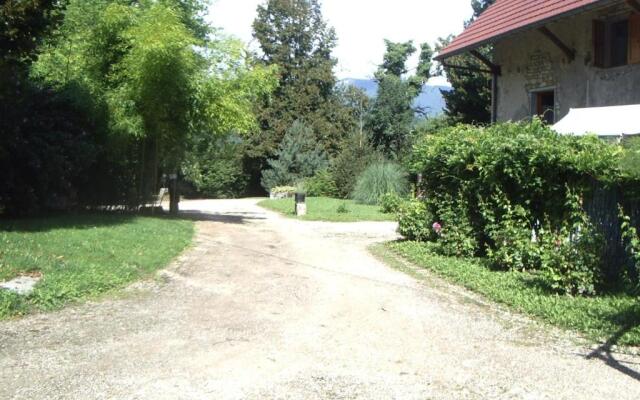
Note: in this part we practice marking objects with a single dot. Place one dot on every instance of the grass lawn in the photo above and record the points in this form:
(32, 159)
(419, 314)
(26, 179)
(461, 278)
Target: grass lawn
(327, 209)
(82, 256)
(613, 318)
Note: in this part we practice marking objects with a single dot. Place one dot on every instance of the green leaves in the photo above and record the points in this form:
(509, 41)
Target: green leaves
(299, 156)
(379, 179)
(526, 179)
(392, 114)
(294, 37)
(154, 84)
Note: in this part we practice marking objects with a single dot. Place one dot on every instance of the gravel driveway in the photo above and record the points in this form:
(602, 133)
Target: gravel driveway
(264, 307)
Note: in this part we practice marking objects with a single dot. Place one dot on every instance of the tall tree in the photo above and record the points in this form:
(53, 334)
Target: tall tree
(157, 82)
(392, 114)
(294, 36)
(469, 101)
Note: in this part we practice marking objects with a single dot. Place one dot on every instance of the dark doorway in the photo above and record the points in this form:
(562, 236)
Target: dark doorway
(545, 104)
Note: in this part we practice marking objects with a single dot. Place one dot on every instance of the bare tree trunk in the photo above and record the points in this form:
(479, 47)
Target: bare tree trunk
(141, 187)
(155, 172)
(155, 166)
(174, 196)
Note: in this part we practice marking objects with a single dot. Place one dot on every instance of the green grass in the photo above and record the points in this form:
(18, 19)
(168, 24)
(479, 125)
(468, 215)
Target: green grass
(83, 256)
(613, 318)
(327, 209)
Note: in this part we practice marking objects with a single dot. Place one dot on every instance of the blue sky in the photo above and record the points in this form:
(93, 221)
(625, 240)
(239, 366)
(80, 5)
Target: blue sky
(361, 26)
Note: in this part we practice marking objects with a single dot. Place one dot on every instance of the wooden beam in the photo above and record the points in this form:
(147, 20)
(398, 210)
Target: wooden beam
(465, 68)
(494, 98)
(495, 69)
(568, 51)
(635, 4)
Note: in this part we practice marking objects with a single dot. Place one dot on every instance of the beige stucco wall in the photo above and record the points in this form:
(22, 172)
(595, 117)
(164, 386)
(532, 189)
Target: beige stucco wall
(530, 62)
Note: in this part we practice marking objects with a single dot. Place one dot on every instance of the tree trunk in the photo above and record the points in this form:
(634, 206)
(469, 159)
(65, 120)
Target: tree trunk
(141, 186)
(174, 196)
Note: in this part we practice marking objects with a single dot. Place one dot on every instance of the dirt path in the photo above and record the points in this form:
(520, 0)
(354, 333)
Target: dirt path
(266, 307)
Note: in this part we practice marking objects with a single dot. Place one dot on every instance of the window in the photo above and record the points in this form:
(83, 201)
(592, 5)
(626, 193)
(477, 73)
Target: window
(617, 42)
(543, 105)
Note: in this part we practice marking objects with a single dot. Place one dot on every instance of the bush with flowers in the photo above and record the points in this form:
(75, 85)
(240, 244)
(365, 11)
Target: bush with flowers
(513, 193)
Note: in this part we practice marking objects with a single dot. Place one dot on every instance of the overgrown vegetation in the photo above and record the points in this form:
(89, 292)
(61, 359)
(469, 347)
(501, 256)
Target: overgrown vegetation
(514, 194)
(599, 318)
(327, 209)
(101, 98)
(392, 114)
(299, 156)
(379, 179)
(215, 167)
(80, 257)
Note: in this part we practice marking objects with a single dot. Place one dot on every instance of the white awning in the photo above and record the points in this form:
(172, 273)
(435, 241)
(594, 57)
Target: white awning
(601, 121)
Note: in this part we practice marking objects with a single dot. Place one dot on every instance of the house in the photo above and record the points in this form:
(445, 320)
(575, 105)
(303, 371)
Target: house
(550, 56)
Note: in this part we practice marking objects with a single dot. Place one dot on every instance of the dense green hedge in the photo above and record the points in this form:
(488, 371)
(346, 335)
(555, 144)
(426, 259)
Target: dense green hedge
(513, 192)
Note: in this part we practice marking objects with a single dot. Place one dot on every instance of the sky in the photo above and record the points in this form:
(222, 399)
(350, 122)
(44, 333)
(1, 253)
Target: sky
(361, 27)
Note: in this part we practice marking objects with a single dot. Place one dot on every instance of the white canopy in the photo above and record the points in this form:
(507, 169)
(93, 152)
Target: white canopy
(601, 121)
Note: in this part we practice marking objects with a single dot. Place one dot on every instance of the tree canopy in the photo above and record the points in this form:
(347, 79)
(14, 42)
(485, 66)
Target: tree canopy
(392, 113)
(469, 101)
(294, 37)
(150, 79)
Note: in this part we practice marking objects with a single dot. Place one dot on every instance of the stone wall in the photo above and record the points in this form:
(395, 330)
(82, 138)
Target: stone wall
(531, 62)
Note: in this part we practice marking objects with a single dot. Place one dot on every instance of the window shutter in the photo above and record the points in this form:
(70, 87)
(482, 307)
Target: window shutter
(599, 43)
(634, 38)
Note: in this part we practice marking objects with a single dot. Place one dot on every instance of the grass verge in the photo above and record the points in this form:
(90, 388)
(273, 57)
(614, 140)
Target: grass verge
(83, 256)
(612, 318)
(327, 209)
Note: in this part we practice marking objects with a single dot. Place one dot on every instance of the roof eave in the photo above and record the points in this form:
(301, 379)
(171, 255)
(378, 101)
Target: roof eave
(537, 24)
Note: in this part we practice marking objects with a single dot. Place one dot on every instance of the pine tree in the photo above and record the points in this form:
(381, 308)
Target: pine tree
(293, 35)
(299, 156)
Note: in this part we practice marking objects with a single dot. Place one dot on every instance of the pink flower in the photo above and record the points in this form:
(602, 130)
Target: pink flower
(436, 227)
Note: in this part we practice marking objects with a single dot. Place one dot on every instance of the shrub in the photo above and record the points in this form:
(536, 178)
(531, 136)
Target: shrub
(47, 149)
(571, 255)
(630, 158)
(631, 242)
(456, 236)
(570, 260)
(299, 156)
(511, 246)
(390, 203)
(415, 222)
(523, 171)
(321, 185)
(379, 179)
(215, 168)
(526, 162)
(342, 209)
(356, 154)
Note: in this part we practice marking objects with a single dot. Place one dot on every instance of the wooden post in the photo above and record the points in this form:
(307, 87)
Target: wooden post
(494, 97)
(495, 72)
(568, 51)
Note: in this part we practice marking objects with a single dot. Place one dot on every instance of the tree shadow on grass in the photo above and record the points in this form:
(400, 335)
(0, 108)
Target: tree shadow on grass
(93, 219)
(237, 218)
(83, 220)
(629, 319)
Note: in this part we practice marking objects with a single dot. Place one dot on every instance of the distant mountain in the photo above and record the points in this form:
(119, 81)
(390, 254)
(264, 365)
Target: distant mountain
(430, 99)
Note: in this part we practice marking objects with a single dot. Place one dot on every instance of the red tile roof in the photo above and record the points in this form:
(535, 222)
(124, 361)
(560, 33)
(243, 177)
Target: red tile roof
(509, 16)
